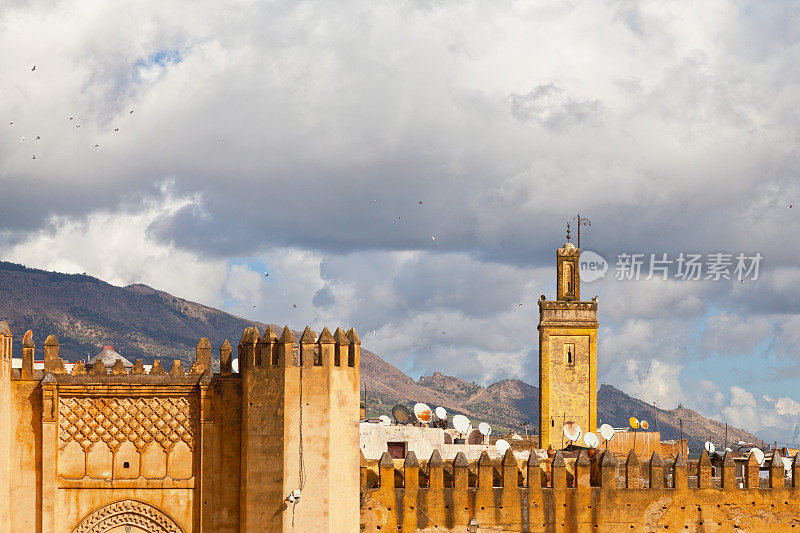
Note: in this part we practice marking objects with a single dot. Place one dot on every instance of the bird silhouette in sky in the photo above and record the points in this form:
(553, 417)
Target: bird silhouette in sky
(33, 157)
(266, 274)
(294, 306)
(130, 112)
(37, 138)
(116, 129)
(34, 68)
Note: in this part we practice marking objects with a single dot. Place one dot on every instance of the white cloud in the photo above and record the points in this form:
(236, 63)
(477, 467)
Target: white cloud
(302, 137)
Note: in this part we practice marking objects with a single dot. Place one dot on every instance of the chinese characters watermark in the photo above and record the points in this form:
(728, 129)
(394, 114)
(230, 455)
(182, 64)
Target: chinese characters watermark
(688, 266)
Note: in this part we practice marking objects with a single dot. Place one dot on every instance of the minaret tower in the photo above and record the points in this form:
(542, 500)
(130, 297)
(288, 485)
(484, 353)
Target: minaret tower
(567, 354)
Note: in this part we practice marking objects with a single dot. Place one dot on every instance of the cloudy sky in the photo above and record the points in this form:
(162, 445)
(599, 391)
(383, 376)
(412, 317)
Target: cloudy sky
(409, 167)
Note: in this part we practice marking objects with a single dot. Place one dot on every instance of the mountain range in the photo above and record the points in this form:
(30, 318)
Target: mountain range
(86, 313)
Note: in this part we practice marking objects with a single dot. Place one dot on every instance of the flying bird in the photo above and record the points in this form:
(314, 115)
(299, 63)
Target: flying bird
(78, 126)
(266, 274)
(420, 202)
(34, 68)
(71, 118)
(520, 305)
(23, 139)
(37, 138)
(294, 306)
(398, 218)
(116, 129)
(130, 112)
(33, 157)
(433, 238)
(96, 145)
(10, 123)
(374, 332)
(443, 333)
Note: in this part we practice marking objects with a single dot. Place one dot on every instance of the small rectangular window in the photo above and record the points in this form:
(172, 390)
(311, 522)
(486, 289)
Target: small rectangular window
(397, 450)
(569, 354)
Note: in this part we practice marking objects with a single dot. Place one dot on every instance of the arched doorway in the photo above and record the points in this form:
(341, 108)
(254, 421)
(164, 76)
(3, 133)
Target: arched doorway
(127, 516)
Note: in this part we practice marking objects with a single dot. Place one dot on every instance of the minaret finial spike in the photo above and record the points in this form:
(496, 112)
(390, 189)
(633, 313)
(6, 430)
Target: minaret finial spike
(569, 239)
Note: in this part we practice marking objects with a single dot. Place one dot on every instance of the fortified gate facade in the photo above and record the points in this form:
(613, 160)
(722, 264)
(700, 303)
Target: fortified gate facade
(181, 450)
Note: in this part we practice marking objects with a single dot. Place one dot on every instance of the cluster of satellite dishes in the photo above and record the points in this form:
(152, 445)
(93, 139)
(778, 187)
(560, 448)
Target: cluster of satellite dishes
(638, 424)
(424, 414)
(755, 452)
(573, 433)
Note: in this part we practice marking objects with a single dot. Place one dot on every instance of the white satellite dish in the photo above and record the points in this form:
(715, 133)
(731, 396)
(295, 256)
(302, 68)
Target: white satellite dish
(502, 445)
(485, 429)
(590, 439)
(461, 423)
(607, 432)
(385, 420)
(572, 431)
(758, 454)
(643, 424)
(423, 413)
(709, 446)
(441, 413)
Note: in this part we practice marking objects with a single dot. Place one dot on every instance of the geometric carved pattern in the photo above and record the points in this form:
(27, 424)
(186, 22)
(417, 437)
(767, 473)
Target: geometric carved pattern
(141, 421)
(127, 513)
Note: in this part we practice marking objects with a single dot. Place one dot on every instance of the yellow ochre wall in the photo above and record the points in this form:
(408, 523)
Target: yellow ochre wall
(574, 495)
(182, 450)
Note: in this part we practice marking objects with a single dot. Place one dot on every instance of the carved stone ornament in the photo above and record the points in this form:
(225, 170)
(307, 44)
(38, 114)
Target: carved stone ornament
(139, 515)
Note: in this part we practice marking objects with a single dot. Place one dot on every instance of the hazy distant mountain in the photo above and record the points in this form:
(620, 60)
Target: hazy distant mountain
(86, 314)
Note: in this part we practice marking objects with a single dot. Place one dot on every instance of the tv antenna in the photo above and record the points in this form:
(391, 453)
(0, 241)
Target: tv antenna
(501, 446)
(462, 425)
(572, 431)
(607, 432)
(401, 414)
(423, 413)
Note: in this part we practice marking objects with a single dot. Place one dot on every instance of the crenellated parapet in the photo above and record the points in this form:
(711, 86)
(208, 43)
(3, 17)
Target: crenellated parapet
(578, 493)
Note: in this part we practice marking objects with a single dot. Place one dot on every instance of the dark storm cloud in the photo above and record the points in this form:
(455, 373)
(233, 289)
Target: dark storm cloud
(303, 137)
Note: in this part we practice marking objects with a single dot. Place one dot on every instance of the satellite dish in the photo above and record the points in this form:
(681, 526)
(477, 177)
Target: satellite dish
(516, 436)
(401, 414)
(423, 413)
(485, 429)
(441, 413)
(590, 439)
(385, 420)
(461, 423)
(758, 454)
(709, 446)
(634, 422)
(607, 432)
(502, 445)
(643, 424)
(572, 431)
(728, 450)
(787, 463)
